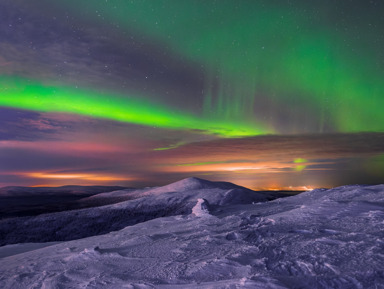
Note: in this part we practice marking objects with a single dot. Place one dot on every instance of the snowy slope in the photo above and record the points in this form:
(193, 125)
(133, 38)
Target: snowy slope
(142, 205)
(319, 239)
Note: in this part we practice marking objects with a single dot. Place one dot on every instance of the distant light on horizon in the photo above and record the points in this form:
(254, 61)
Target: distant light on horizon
(78, 176)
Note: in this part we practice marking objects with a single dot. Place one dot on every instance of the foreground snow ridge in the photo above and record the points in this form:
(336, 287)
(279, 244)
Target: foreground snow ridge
(318, 239)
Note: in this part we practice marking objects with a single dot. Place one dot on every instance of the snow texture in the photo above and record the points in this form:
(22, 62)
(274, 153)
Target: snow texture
(318, 239)
(201, 209)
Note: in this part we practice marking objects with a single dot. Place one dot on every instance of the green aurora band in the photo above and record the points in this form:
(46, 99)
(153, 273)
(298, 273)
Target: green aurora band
(26, 94)
(277, 52)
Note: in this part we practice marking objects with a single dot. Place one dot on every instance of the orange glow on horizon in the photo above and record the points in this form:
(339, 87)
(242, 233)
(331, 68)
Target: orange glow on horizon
(289, 188)
(86, 177)
(52, 179)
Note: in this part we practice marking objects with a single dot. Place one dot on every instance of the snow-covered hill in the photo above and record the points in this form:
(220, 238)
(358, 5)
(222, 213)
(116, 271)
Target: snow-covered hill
(141, 205)
(318, 239)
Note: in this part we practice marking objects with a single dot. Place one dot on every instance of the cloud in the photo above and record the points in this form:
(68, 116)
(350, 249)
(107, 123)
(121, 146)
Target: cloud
(25, 125)
(287, 147)
(257, 162)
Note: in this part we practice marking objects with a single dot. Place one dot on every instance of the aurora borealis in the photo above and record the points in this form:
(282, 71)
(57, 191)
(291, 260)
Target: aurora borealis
(24, 94)
(266, 94)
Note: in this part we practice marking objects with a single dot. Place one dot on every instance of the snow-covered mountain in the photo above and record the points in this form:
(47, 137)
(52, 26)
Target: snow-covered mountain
(318, 239)
(142, 205)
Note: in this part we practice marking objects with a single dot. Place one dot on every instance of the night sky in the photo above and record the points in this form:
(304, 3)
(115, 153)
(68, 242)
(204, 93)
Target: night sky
(268, 94)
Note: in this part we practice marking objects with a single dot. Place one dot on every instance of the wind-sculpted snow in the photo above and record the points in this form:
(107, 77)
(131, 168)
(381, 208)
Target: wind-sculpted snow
(142, 205)
(319, 239)
(201, 209)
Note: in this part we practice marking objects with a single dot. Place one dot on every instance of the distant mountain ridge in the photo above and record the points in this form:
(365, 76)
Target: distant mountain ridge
(12, 191)
(29, 201)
